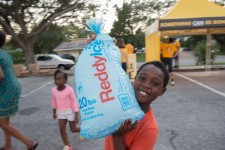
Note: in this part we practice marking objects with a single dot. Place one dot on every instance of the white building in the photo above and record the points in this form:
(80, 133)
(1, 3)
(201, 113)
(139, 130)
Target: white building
(74, 47)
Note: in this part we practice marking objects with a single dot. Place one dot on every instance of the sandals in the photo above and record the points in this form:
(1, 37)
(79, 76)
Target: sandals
(33, 147)
(2, 148)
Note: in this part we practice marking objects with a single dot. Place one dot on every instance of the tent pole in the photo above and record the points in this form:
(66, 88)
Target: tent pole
(208, 52)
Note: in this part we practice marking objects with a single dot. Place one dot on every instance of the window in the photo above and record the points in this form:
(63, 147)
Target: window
(44, 58)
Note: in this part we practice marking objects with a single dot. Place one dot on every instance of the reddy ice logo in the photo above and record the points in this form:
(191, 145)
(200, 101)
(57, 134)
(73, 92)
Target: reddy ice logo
(101, 72)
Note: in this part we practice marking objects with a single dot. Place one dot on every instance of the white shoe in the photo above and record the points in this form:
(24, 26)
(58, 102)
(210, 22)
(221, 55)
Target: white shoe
(67, 148)
(172, 83)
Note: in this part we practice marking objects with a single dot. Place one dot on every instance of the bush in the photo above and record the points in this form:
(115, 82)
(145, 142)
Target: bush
(200, 53)
(17, 56)
(140, 57)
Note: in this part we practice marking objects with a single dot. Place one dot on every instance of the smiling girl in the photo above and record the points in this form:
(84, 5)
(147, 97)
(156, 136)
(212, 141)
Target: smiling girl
(150, 82)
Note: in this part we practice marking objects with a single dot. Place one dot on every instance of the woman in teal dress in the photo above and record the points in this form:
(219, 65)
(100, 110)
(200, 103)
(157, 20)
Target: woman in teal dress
(9, 97)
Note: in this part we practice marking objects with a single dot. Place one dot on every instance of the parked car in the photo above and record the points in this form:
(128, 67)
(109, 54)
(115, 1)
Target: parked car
(140, 50)
(68, 56)
(53, 61)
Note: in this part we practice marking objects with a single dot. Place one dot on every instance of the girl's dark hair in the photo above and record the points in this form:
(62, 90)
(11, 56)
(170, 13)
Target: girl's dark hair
(61, 72)
(120, 43)
(2, 38)
(159, 65)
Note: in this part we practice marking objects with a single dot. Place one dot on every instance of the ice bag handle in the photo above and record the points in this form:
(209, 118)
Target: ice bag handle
(95, 25)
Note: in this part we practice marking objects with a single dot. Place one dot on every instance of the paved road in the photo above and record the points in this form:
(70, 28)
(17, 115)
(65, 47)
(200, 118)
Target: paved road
(190, 115)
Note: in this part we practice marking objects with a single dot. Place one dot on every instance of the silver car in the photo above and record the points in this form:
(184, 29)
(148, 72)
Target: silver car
(53, 61)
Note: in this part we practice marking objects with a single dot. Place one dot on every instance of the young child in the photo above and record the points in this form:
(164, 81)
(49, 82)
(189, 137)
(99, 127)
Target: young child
(65, 107)
(150, 82)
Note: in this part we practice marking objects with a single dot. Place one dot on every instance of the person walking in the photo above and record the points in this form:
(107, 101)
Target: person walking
(65, 107)
(176, 57)
(129, 47)
(121, 44)
(168, 50)
(10, 91)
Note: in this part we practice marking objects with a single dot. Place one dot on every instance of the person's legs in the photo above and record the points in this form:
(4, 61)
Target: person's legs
(73, 127)
(62, 129)
(176, 61)
(124, 66)
(7, 145)
(170, 65)
(10, 130)
(172, 78)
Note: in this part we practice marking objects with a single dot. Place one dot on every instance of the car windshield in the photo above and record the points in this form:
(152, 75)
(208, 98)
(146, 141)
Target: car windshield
(56, 56)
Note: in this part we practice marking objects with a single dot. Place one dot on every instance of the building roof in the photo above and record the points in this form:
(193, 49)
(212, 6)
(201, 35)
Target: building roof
(194, 9)
(190, 17)
(77, 44)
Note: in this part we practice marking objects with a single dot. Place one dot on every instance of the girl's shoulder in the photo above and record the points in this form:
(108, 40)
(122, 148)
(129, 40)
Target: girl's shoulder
(68, 87)
(54, 89)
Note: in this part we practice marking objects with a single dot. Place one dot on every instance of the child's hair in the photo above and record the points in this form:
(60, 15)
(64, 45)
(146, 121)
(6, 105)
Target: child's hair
(159, 65)
(120, 43)
(2, 38)
(60, 72)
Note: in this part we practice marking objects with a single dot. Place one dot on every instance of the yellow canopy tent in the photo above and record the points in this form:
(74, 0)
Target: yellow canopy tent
(186, 17)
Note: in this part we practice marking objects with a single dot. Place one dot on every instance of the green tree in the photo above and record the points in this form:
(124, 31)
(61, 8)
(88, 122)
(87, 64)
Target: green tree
(55, 35)
(139, 39)
(49, 39)
(25, 20)
(72, 31)
(220, 39)
(135, 16)
(200, 52)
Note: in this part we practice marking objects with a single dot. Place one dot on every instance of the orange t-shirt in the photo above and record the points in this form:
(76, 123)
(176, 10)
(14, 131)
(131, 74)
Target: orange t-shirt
(168, 50)
(177, 44)
(123, 52)
(143, 137)
(130, 49)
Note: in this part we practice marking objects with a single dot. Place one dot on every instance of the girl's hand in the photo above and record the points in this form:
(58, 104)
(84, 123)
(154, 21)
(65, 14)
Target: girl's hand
(76, 119)
(126, 127)
(54, 116)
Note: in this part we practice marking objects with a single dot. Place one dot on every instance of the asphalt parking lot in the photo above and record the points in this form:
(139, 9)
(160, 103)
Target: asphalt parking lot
(190, 115)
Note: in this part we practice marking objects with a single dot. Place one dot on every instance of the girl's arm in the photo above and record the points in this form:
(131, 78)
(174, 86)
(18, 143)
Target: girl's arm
(1, 74)
(118, 136)
(76, 117)
(73, 100)
(53, 105)
(54, 114)
(118, 142)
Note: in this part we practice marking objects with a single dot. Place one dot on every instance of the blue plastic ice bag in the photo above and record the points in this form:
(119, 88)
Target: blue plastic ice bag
(104, 92)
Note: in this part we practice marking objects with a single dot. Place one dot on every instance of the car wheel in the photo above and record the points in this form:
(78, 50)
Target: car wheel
(62, 67)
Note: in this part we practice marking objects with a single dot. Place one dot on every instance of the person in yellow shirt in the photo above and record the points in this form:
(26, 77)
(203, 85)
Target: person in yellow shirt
(121, 44)
(168, 50)
(176, 57)
(130, 48)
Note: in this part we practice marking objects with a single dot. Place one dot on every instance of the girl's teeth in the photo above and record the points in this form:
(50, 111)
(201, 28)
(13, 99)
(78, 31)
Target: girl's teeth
(142, 92)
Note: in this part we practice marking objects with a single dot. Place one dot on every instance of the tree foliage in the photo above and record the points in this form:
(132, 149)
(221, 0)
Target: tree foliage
(220, 2)
(49, 39)
(72, 31)
(135, 16)
(55, 35)
(25, 20)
